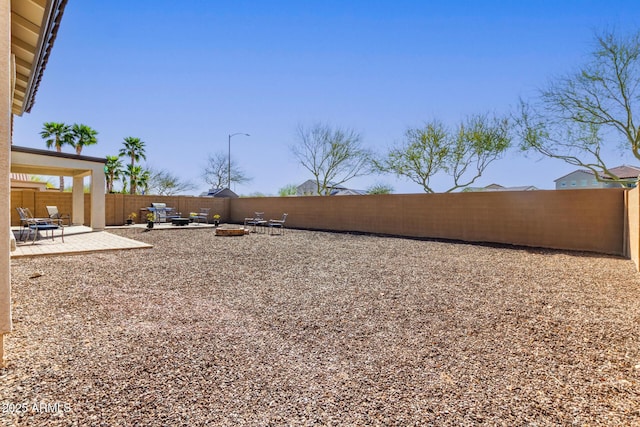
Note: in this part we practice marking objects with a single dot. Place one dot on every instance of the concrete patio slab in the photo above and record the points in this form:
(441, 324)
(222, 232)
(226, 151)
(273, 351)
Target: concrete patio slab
(77, 240)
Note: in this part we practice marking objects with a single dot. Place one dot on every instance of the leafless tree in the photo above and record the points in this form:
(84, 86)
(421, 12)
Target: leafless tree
(332, 155)
(216, 171)
(164, 183)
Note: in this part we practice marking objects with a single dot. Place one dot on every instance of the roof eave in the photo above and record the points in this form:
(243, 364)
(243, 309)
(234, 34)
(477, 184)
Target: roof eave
(48, 31)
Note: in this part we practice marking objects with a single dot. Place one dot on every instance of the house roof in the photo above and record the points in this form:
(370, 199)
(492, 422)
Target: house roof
(498, 187)
(346, 192)
(219, 192)
(625, 171)
(34, 26)
(23, 180)
(19, 177)
(622, 172)
(334, 189)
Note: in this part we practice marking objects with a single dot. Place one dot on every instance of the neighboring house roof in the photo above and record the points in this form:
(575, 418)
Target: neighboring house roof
(498, 187)
(625, 171)
(23, 180)
(219, 192)
(307, 183)
(622, 172)
(334, 189)
(577, 171)
(34, 26)
(346, 192)
(19, 177)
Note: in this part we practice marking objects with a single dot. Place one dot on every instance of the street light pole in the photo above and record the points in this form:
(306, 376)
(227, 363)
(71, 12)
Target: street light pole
(229, 164)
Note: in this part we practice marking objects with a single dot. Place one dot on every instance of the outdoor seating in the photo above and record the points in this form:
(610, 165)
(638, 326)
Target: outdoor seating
(202, 216)
(26, 219)
(277, 224)
(256, 221)
(35, 225)
(55, 215)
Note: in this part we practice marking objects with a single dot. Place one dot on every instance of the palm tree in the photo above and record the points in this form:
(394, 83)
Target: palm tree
(113, 170)
(82, 136)
(134, 149)
(134, 173)
(56, 135)
(143, 181)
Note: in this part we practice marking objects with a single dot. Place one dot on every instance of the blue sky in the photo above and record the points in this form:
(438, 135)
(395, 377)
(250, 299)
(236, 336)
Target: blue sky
(184, 75)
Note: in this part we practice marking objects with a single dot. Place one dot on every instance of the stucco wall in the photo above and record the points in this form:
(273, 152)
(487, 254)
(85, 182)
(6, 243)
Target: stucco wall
(633, 226)
(117, 206)
(591, 220)
(5, 168)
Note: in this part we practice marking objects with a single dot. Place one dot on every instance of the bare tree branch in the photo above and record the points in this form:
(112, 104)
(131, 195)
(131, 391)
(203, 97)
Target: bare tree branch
(332, 155)
(216, 170)
(578, 115)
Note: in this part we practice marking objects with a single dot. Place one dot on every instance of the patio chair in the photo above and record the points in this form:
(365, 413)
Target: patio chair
(55, 215)
(202, 216)
(277, 223)
(25, 219)
(172, 214)
(30, 223)
(255, 221)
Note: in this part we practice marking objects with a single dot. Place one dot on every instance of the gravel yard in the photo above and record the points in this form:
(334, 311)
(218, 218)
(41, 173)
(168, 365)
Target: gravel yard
(316, 328)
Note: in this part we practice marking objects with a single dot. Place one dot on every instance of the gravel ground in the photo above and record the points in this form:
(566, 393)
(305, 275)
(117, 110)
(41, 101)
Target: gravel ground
(316, 328)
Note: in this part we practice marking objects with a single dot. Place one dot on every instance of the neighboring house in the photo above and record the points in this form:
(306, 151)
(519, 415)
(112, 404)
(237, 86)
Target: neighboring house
(346, 192)
(219, 192)
(498, 187)
(310, 188)
(24, 181)
(307, 188)
(584, 178)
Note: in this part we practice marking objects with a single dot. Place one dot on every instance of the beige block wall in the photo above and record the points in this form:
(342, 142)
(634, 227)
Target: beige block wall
(37, 202)
(591, 220)
(118, 206)
(633, 226)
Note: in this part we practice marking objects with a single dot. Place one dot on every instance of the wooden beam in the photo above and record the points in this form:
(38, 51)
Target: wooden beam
(25, 23)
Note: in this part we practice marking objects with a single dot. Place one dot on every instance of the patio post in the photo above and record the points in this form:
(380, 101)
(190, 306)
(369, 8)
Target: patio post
(78, 201)
(98, 202)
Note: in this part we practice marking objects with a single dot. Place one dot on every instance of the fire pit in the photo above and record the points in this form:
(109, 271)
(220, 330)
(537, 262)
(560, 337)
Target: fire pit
(231, 231)
(180, 221)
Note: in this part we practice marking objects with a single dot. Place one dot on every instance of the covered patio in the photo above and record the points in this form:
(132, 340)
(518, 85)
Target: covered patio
(43, 162)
